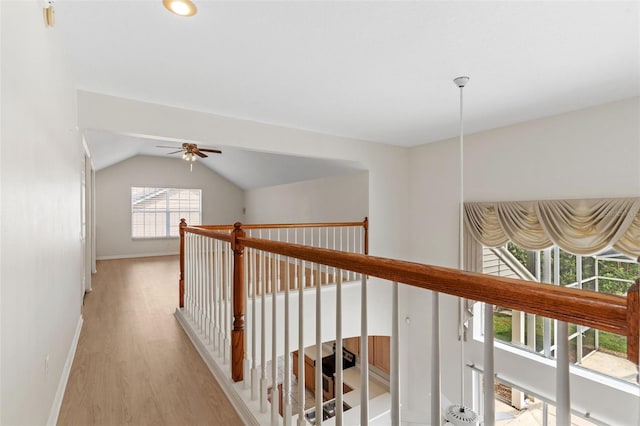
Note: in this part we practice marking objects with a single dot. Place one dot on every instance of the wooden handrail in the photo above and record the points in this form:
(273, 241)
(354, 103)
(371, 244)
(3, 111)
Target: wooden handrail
(602, 311)
(302, 225)
(246, 226)
(209, 233)
(215, 227)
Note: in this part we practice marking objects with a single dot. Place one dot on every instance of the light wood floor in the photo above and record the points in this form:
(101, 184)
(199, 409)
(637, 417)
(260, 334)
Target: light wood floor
(134, 364)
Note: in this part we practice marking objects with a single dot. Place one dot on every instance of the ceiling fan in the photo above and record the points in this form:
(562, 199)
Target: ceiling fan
(190, 151)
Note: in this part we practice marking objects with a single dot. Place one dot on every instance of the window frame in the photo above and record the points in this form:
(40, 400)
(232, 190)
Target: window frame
(167, 211)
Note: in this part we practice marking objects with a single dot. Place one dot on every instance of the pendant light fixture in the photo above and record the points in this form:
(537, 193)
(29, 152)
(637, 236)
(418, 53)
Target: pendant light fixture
(49, 14)
(181, 7)
(458, 414)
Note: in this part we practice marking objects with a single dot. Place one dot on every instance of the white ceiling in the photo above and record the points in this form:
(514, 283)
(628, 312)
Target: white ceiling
(378, 71)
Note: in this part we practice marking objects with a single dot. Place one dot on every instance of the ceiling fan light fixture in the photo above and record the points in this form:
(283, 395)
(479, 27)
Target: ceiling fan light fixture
(180, 7)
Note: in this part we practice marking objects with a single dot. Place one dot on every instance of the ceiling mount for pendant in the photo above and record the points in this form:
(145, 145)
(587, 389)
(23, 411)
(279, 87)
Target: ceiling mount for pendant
(461, 81)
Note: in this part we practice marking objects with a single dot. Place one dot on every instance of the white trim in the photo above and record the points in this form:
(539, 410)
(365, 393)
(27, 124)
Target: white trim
(64, 378)
(86, 150)
(234, 392)
(577, 370)
(131, 256)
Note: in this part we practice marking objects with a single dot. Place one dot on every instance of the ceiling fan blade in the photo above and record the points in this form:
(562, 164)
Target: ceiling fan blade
(215, 151)
(174, 152)
(164, 146)
(200, 154)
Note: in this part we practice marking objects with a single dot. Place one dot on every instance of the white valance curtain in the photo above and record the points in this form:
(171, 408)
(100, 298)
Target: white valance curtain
(583, 227)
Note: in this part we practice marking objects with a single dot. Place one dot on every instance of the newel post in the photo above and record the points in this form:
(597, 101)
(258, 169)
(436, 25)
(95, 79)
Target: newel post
(183, 224)
(239, 308)
(365, 225)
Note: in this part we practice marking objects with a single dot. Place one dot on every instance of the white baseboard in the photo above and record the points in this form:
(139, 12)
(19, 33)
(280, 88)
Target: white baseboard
(239, 397)
(131, 256)
(64, 378)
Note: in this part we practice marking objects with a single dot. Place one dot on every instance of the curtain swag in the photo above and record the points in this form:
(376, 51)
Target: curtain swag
(583, 227)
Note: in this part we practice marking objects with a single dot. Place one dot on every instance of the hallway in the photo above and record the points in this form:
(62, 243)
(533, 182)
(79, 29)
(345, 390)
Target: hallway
(134, 365)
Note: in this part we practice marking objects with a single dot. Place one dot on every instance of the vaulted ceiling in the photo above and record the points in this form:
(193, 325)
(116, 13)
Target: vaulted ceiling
(378, 71)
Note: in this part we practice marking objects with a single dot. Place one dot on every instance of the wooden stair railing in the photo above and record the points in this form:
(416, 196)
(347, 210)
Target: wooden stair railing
(224, 233)
(615, 314)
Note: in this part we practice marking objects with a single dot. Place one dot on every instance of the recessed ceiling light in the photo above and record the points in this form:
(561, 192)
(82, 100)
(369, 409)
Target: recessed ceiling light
(181, 7)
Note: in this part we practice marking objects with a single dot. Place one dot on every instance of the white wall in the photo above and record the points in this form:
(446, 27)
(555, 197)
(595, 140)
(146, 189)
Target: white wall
(332, 199)
(41, 262)
(222, 202)
(583, 154)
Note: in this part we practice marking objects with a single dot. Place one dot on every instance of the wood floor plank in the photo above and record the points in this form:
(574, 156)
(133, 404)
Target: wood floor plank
(134, 364)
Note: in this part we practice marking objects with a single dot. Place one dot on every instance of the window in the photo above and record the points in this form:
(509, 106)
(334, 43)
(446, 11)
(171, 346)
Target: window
(608, 272)
(156, 212)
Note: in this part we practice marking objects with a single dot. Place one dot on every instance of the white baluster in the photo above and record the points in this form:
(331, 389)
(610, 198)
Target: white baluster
(208, 268)
(212, 293)
(246, 372)
(326, 238)
(318, 371)
(436, 416)
(364, 355)
(192, 306)
(196, 277)
(580, 328)
(395, 359)
(274, 354)
(287, 356)
(254, 332)
(187, 273)
(341, 249)
(563, 394)
(221, 255)
(201, 283)
(355, 247)
(333, 247)
(349, 273)
(301, 384)
(489, 370)
(338, 359)
(304, 236)
(216, 295)
(193, 276)
(227, 301)
(263, 333)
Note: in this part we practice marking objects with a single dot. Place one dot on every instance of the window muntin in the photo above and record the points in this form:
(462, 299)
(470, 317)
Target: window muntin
(156, 212)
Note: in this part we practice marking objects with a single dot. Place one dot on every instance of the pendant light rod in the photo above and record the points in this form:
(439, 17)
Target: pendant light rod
(461, 83)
